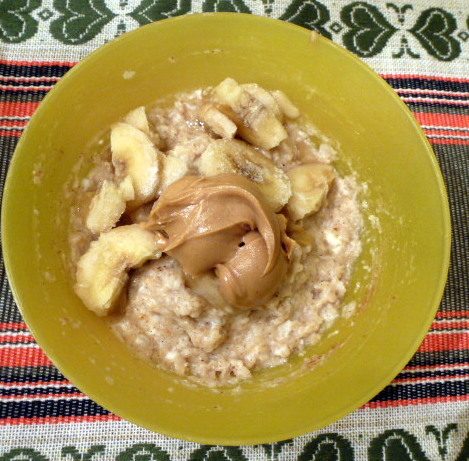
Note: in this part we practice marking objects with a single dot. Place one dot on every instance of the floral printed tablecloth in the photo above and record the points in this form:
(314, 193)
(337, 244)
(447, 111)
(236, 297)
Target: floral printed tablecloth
(421, 47)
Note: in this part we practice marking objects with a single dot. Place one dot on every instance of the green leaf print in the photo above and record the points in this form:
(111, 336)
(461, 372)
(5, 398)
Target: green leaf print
(231, 6)
(213, 453)
(16, 22)
(80, 20)
(143, 452)
(433, 30)
(369, 31)
(308, 13)
(23, 454)
(396, 445)
(328, 447)
(154, 10)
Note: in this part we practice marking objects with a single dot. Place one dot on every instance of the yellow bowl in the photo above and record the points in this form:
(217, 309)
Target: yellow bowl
(408, 252)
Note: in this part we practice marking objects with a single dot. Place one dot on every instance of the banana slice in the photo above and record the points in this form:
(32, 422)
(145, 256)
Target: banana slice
(138, 119)
(173, 168)
(256, 122)
(233, 156)
(310, 184)
(102, 270)
(264, 97)
(134, 155)
(217, 121)
(286, 106)
(108, 205)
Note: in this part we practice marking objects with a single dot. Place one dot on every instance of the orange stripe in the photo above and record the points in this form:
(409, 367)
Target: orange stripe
(419, 401)
(451, 324)
(445, 342)
(13, 123)
(59, 419)
(18, 109)
(450, 314)
(23, 357)
(425, 77)
(429, 119)
(38, 63)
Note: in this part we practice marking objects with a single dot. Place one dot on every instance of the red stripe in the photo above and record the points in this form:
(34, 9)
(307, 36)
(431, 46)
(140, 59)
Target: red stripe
(449, 141)
(425, 77)
(418, 401)
(13, 123)
(445, 342)
(15, 326)
(430, 119)
(421, 379)
(29, 79)
(455, 324)
(23, 357)
(16, 338)
(38, 63)
(18, 109)
(431, 92)
(59, 419)
(11, 133)
(450, 314)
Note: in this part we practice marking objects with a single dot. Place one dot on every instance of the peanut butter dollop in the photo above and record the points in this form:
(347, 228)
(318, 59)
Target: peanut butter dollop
(223, 223)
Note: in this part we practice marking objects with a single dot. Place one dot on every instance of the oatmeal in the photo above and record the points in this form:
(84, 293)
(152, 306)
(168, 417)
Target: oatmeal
(215, 235)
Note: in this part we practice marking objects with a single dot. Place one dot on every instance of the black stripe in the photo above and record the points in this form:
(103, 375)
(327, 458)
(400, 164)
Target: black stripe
(26, 375)
(440, 358)
(422, 106)
(433, 96)
(15, 70)
(23, 95)
(423, 390)
(44, 408)
(428, 84)
(18, 391)
(433, 374)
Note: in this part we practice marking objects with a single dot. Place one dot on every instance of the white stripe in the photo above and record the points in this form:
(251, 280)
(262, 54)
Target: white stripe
(442, 136)
(429, 379)
(35, 79)
(6, 333)
(442, 368)
(22, 87)
(19, 346)
(12, 128)
(37, 386)
(442, 100)
(435, 92)
(448, 128)
(16, 119)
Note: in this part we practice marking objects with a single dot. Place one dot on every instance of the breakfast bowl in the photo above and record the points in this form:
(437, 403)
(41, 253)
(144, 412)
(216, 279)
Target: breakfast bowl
(397, 282)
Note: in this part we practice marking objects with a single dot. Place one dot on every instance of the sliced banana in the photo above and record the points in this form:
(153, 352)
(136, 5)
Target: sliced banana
(138, 119)
(108, 205)
(173, 168)
(134, 155)
(310, 184)
(286, 106)
(234, 156)
(264, 97)
(256, 122)
(217, 121)
(102, 270)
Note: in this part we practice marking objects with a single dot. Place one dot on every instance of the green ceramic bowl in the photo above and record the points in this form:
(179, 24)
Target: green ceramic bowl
(408, 252)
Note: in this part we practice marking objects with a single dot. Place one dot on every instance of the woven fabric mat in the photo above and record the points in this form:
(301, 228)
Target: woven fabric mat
(421, 47)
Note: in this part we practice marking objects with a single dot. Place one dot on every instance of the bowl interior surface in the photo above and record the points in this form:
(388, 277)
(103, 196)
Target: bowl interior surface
(407, 252)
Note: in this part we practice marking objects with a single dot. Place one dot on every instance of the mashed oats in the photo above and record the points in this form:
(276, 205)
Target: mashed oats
(181, 323)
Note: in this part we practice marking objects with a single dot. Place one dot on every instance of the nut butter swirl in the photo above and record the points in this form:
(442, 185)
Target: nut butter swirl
(223, 223)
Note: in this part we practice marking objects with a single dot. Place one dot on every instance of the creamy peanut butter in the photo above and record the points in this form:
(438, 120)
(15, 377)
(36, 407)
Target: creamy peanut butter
(223, 223)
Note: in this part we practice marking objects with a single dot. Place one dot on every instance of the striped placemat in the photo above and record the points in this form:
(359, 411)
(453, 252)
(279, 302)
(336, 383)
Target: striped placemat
(421, 49)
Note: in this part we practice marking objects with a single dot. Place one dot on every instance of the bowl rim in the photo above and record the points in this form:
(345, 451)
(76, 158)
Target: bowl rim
(306, 427)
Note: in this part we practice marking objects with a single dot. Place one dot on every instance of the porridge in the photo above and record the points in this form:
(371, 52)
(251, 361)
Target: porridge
(214, 234)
